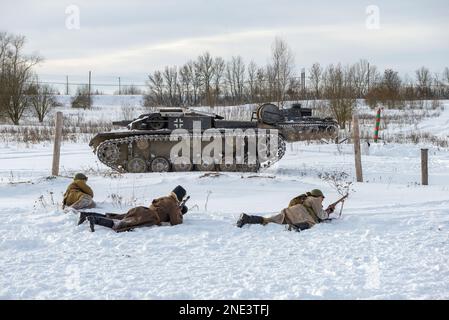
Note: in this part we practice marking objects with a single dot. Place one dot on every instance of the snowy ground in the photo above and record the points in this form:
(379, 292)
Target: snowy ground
(392, 241)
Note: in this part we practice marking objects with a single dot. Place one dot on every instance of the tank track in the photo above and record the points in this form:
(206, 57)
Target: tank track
(108, 152)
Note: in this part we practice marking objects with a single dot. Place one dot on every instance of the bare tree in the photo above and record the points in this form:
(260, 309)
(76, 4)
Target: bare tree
(424, 80)
(282, 64)
(315, 74)
(374, 77)
(219, 68)
(186, 74)
(340, 90)
(155, 97)
(171, 82)
(446, 75)
(42, 99)
(205, 64)
(239, 75)
(15, 74)
(388, 91)
(260, 85)
(361, 74)
(391, 85)
(197, 83)
(252, 81)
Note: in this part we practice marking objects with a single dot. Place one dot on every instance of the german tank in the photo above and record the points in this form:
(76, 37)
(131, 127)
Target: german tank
(152, 141)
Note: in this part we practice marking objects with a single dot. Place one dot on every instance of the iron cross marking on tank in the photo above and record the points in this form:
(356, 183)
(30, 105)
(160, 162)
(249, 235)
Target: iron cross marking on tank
(178, 123)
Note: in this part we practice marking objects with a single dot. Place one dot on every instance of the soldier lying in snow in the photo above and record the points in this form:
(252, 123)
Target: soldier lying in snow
(78, 194)
(303, 213)
(165, 209)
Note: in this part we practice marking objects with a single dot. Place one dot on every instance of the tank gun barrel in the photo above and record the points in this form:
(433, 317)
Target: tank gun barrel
(121, 123)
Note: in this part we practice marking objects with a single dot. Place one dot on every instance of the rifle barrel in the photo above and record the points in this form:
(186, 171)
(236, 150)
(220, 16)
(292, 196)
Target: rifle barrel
(340, 200)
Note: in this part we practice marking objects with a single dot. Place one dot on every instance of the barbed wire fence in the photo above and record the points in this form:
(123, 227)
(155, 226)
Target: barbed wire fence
(70, 85)
(117, 85)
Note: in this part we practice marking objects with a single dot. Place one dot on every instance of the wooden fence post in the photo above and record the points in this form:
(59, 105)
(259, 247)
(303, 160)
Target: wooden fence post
(57, 144)
(357, 153)
(424, 167)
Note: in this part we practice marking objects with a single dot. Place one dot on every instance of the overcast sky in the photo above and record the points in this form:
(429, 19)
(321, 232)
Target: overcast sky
(133, 38)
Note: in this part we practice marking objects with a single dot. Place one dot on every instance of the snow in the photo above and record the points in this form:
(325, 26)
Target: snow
(392, 241)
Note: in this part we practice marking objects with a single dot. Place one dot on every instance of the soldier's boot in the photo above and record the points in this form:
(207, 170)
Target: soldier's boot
(84, 215)
(101, 221)
(247, 219)
(299, 226)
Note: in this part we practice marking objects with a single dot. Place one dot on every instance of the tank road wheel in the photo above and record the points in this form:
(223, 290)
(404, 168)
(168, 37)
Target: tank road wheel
(156, 123)
(205, 166)
(160, 164)
(137, 165)
(231, 167)
(182, 164)
(108, 152)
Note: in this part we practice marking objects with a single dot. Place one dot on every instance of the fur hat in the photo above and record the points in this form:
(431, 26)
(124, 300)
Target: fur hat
(180, 192)
(80, 176)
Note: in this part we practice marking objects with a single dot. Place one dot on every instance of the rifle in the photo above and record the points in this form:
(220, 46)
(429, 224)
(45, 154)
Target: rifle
(342, 199)
(183, 202)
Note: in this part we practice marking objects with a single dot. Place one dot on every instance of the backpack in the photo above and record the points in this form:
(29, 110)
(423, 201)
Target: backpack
(298, 200)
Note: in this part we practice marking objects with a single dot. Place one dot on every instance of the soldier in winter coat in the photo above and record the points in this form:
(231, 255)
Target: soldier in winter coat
(78, 194)
(302, 213)
(164, 209)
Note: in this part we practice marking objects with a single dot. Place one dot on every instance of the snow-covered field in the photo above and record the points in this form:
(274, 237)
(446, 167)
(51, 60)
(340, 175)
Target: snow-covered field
(392, 241)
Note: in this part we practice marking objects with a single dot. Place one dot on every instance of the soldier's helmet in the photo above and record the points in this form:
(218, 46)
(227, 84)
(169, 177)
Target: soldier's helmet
(316, 193)
(80, 176)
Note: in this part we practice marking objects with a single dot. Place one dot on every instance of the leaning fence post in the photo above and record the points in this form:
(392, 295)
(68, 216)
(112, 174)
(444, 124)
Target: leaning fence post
(57, 144)
(357, 153)
(424, 167)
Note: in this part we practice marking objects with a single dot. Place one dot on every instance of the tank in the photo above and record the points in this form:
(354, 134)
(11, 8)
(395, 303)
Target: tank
(148, 143)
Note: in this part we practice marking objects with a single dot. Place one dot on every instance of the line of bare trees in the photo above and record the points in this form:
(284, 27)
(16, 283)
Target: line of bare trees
(211, 80)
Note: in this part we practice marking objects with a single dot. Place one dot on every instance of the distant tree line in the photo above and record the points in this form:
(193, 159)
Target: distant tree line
(211, 81)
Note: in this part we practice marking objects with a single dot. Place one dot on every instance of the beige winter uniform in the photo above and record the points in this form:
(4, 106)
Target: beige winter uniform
(311, 212)
(79, 195)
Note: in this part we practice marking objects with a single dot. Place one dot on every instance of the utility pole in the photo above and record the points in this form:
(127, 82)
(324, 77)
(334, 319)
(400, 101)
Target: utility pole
(90, 75)
(368, 78)
(119, 87)
(67, 85)
(303, 80)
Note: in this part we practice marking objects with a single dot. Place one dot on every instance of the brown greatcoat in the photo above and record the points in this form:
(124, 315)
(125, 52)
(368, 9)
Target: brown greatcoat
(164, 209)
(75, 191)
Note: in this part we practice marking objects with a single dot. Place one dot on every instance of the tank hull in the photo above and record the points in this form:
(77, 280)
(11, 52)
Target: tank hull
(179, 140)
